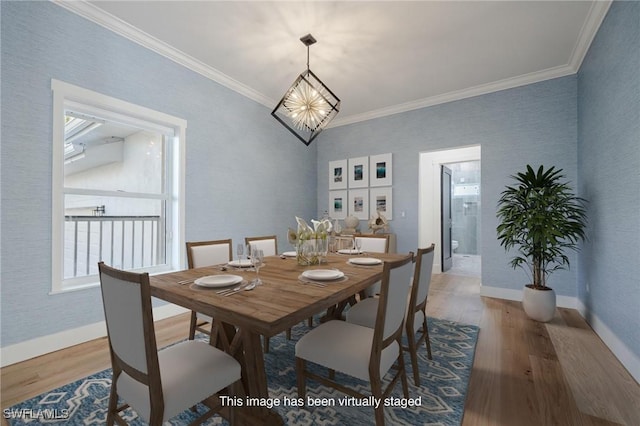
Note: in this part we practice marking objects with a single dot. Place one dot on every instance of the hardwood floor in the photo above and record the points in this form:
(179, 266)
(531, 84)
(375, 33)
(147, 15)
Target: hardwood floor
(530, 373)
(524, 372)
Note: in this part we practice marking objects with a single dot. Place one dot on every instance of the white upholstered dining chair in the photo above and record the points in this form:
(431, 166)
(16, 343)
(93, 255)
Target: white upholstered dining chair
(156, 385)
(268, 244)
(364, 312)
(199, 255)
(372, 244)
(362, 352)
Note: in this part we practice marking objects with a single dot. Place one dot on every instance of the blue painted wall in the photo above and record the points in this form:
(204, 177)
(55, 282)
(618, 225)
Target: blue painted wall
(245, 173)
(534, 124)
(609, 173)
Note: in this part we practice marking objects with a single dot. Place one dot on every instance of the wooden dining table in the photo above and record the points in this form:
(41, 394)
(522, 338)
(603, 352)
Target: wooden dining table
(282, 301)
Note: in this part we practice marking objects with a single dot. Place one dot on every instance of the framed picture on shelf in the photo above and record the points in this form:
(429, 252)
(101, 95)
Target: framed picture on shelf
(359, 172)
(381, 201)
(381, 170)
(359, 203)
(338, 174)
(338, 204)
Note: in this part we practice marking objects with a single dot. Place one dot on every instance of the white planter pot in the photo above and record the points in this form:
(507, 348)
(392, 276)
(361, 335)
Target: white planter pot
(539, 305)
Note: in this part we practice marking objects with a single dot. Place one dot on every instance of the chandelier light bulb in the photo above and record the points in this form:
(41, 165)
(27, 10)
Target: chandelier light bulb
(308, 106)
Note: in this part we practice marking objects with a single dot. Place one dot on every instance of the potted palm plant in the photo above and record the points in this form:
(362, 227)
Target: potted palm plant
(541, 218)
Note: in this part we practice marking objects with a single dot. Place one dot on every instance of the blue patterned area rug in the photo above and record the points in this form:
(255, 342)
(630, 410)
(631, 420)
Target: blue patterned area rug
(440, 398)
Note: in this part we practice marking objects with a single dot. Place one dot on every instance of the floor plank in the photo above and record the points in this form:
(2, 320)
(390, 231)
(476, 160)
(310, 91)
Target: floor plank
(581, 351)
(484, 407)
(516, 367)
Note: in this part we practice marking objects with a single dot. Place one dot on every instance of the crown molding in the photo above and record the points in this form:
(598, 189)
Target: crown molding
(120, 27)
(457, 95)
(597, 12)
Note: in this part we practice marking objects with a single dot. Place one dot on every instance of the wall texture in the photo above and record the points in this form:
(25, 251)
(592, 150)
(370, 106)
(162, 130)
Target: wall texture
(609, 174)
(534, 124)
(245, 173)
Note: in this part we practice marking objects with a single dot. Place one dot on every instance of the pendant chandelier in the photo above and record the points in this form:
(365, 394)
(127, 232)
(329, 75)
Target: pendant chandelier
(308, 106)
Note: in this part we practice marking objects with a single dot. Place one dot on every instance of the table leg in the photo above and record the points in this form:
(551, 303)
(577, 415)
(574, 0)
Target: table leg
(231, 341)
(335, 312)
(255, 368)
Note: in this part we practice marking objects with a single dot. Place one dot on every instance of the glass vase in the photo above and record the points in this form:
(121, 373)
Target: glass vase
(306, 252)
(322, 247)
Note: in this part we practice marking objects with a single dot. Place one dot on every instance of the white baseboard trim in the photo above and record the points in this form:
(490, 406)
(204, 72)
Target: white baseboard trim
(43, 345)
(501, 293)
(516, 295)
(627, 358)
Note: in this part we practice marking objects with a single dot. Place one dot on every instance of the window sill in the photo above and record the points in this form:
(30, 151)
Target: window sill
(74, 288)
(70, 288)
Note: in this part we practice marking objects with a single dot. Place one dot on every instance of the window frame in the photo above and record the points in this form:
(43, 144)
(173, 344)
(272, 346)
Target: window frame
(68, 96)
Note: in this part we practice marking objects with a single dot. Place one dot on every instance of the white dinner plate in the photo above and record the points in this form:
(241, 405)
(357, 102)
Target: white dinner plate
(348, 251)
(365, 261)
(323, 274)
(218, 280)
(243, 263)
(290, 254)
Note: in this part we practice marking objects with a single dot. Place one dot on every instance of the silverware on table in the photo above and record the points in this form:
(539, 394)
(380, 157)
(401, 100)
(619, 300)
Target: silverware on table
(228, 290)
(246, 286)
(315, 283)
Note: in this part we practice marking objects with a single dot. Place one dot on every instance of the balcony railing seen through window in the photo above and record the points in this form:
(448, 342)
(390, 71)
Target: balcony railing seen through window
(124, 242)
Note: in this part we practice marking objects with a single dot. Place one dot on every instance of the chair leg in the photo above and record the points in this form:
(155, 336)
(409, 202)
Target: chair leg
(288, 334)
(232, 415)
(379, 412)
(266, 344)
(213, 334)
(376, 391)
(426, 338)
(413, 350)
(155, 416)
(192, 325)
(300, 370)
(236, 390)
(310, 321)
(411, 339)
(403, 372)
(112, 411)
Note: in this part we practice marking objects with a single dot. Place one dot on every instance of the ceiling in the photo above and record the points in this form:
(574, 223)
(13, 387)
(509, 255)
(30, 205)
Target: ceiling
(378, 57)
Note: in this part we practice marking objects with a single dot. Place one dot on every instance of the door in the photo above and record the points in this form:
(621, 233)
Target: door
(445, 209)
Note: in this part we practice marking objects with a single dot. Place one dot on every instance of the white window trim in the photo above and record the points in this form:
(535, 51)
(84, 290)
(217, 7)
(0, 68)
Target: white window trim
(65, 95)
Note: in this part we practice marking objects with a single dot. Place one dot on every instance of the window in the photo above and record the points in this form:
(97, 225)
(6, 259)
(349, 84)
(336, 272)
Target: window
(117, 187)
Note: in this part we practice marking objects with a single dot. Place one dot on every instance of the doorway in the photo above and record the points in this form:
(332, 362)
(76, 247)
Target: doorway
(430, 201)
(465, 218)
